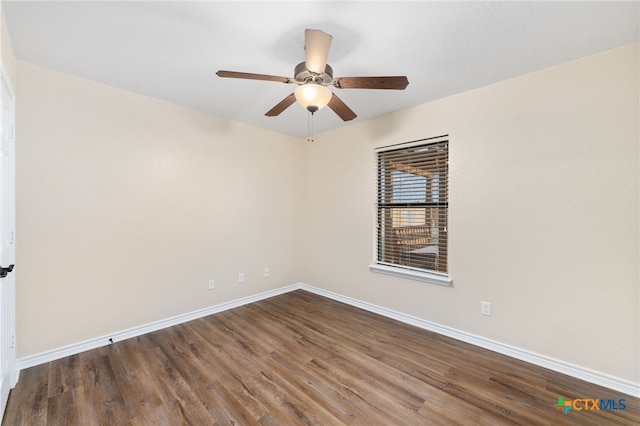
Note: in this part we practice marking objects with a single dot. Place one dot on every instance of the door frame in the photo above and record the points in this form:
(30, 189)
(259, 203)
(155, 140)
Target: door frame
(8, 327)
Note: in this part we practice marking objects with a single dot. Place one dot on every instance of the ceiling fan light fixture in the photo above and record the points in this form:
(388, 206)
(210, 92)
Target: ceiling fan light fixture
(313, 96)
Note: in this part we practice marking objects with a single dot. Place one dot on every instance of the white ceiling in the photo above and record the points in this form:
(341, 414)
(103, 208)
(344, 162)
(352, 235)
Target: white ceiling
(171, 50)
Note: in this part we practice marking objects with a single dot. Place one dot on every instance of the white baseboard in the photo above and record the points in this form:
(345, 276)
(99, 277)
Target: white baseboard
(615, 383)
(582, 373)
(41, 358)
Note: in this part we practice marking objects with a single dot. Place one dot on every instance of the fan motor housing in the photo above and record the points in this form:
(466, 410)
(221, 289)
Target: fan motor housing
(302, 75)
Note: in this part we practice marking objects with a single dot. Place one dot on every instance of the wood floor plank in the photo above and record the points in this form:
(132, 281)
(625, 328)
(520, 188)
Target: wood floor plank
(237, 390)
(101, 391)
(64, 375)
(176, 347)
(66, 407)
(244, 389)
(127, 360)
(28, 402)
(294, 359)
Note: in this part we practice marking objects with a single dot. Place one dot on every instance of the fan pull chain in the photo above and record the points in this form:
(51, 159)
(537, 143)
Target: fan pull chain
(310, 127)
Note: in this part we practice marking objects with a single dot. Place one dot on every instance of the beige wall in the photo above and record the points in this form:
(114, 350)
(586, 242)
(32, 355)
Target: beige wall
(6, 50)
(544, 212)
(127, 205)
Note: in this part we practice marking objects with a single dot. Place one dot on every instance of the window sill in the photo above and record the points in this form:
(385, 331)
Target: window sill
(412, 274)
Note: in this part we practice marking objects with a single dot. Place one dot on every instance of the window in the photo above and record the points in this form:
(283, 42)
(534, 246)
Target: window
(412, 209)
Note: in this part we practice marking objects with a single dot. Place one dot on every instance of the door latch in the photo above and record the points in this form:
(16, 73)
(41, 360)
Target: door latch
(4, 271)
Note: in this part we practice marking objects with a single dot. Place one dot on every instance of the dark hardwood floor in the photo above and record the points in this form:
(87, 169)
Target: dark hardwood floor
(296, 359)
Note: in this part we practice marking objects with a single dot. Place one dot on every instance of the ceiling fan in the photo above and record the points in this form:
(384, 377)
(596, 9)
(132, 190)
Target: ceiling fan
(314, 75)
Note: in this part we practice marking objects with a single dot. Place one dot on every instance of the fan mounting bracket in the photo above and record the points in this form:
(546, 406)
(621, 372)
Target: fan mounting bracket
(303, 76)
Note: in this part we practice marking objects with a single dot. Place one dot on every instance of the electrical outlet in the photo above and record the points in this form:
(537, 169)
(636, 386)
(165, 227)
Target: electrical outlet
(485, 308)
(212, 284)
(267, 272)
(241, 277)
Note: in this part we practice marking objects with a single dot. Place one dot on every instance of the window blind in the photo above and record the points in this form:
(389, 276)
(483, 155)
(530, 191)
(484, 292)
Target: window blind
(412, 205)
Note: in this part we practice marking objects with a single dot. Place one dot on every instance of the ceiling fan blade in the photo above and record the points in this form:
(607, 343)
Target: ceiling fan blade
(341, 108)
(316, 47)
(281, 106)
(393, 83)
(251, 76)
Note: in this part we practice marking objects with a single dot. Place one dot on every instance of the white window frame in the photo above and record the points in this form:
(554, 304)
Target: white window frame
(407, 272)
